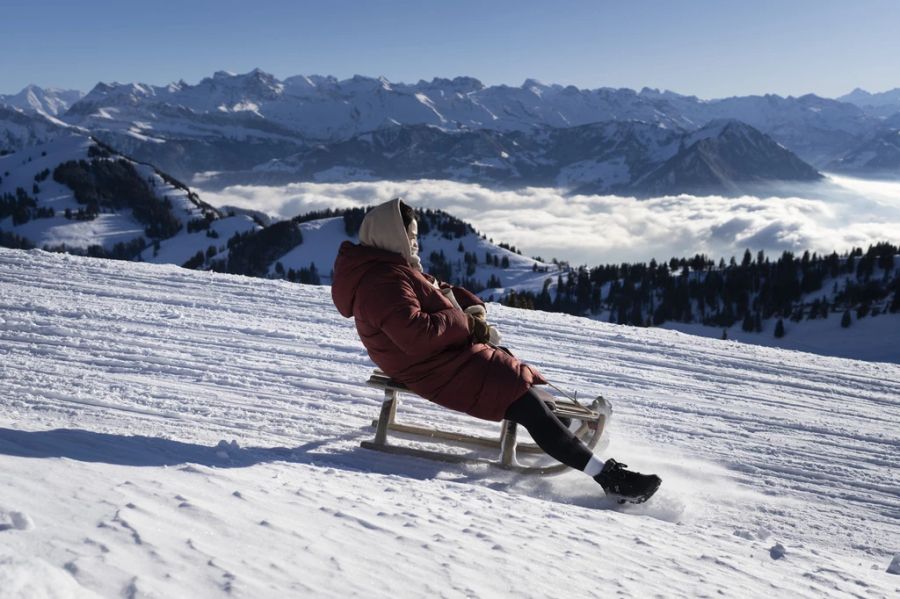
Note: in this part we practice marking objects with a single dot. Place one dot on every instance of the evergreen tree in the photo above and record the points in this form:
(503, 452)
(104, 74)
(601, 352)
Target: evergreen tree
(779, 329)
(196, 261)
(846, 319)
(748, 323)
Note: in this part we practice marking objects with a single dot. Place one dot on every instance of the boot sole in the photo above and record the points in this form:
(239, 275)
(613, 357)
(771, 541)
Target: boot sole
(641, 498)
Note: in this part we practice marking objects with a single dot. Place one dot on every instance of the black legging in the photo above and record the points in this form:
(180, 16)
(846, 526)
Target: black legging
(548, 431)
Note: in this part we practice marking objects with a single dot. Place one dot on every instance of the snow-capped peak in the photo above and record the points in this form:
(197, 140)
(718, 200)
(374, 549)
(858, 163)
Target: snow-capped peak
(256, 81)
(47, 101)
(115, 94)
(862, 97)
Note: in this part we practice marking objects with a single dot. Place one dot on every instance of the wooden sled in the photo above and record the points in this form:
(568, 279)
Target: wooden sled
(591, 423)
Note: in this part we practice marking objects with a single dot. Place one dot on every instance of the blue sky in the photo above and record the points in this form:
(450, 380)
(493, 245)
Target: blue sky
(703, 47)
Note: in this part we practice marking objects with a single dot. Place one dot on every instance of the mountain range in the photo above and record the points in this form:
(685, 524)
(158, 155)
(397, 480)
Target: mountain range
(623, 157)
(249, 126)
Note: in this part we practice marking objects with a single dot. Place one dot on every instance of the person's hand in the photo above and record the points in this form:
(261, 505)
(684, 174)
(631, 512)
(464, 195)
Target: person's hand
(479, 328)
(479, 314)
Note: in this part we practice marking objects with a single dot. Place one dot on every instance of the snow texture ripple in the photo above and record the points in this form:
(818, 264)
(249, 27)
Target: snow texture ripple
(166, 432)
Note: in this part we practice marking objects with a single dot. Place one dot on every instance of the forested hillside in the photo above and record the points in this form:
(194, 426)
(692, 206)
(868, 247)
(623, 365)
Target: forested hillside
(857, 284)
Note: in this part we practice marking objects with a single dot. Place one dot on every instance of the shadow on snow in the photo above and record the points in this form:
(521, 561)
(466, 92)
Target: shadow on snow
(138, 450)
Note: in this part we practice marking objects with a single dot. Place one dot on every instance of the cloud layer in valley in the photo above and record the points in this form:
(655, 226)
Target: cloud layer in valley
(837, 215)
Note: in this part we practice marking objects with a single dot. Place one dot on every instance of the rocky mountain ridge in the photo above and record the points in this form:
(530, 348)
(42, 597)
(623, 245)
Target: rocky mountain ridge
(625, 157)
(234, 123)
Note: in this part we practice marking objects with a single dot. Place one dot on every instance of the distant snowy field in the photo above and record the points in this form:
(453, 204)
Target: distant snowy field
(174, 433)
(876, 339)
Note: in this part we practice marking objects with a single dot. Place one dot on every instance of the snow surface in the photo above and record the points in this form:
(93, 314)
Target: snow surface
(19, 169)
(175, 433)
(872, 338)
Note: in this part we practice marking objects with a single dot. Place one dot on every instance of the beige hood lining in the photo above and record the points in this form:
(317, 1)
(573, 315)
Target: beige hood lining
(383, 228)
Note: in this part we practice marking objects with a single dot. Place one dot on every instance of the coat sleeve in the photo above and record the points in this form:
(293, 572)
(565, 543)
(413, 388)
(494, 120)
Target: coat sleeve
(392, 306)
(465, 297)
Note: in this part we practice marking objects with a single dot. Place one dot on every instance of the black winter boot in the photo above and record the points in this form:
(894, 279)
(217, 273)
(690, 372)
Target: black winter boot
(626, 485)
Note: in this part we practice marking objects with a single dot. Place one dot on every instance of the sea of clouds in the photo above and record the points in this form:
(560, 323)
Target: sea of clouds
(839, 214)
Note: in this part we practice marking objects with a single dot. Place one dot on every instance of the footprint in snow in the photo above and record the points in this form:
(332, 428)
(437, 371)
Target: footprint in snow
(760, 533)
(15, 521)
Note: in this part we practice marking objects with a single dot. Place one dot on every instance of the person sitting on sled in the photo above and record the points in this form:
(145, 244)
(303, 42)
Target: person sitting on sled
(435, 339)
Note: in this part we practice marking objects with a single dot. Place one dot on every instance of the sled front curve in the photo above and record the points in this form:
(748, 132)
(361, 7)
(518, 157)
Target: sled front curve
(592, 421)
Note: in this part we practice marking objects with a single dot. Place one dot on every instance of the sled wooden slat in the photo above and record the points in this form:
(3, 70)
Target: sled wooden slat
(455, 458)
(592, 420)
(436, 433)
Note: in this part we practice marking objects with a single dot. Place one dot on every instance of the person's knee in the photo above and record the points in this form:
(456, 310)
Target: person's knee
(528, 408)
(548, 402)
(545, 397)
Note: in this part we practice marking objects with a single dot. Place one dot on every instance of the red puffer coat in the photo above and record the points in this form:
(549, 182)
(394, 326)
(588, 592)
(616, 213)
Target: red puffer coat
(414, 334)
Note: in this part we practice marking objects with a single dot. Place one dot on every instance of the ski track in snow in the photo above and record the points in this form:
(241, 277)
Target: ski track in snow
(119, 380)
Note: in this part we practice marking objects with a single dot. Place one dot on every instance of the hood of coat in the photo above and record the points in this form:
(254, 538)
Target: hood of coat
(352, 264)
(383, 228)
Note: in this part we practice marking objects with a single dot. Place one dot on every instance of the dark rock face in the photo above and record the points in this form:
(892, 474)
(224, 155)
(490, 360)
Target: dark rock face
(629, 157)
(879, 155)
(731, 160)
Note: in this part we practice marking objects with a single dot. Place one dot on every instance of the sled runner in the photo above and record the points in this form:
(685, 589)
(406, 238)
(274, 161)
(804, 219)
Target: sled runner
(590, 420)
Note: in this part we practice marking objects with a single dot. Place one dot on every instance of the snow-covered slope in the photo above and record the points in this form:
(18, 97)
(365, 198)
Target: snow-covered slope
(56, 218)
(121, 380)
(19, 129)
